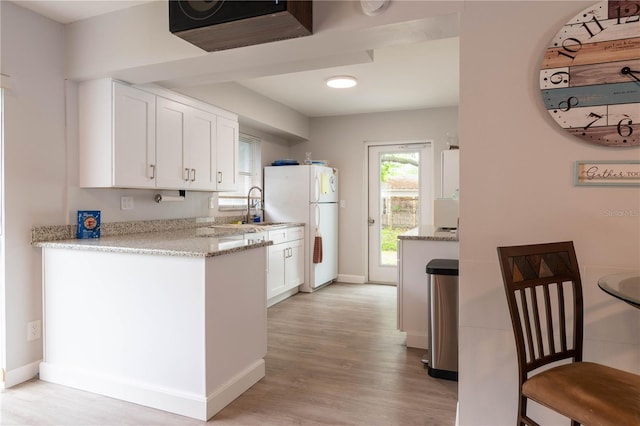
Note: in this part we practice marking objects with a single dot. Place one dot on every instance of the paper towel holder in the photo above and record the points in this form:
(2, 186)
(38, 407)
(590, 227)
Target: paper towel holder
(164, 198)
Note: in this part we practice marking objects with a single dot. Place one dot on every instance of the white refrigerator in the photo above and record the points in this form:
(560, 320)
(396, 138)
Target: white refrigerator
(307, 194)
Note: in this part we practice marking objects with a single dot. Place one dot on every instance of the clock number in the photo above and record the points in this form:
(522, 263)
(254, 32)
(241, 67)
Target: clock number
(570, 103)
(624, 127)
(634, 17)
(599, 29)
(559, 77)
(593, 115)
(571, 49)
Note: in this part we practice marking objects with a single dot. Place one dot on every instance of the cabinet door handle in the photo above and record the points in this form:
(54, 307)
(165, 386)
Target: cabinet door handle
(219, 177)
(153, 171)
(194, 175)
(186, 179)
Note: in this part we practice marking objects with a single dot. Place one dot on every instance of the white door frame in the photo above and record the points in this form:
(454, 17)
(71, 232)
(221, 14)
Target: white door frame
(425, 219)
(3, 364)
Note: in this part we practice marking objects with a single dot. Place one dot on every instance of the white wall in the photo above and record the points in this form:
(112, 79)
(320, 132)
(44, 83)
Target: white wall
(341, 141)
(265, 113)
(516, 188)
(34, 149)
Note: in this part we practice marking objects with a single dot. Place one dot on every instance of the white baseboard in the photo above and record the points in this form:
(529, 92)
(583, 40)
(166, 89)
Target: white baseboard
(350, 279)
(279, 298)
(419, 341)
(199, 407)
(234, 388)
(20, 374)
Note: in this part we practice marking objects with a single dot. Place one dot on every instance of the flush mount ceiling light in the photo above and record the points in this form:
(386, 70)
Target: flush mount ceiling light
(342, 82)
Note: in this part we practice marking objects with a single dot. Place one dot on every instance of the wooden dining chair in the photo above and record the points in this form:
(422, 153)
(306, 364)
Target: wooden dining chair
(544, 294)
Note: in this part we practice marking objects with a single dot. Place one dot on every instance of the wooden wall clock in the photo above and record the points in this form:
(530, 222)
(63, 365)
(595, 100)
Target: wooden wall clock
(590, 74)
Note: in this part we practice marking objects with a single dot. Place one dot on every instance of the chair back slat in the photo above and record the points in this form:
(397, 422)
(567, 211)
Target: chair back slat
(536, 321)
(527, 322)
(548, 313)
(562, 322)
(537, 280)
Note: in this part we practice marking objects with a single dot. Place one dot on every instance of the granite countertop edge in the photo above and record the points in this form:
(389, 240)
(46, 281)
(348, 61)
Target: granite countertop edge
(429, 233)
(195, 252)
(185, 238)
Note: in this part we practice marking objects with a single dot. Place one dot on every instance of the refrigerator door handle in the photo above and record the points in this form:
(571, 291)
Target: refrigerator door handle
(317, 217)
(316, 188)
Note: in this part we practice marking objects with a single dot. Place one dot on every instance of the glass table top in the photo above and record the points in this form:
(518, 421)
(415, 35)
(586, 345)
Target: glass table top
(624, 286)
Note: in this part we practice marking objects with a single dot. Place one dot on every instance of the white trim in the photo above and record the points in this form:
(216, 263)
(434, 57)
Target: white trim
(3, 308)
(350, 279)
(365, 185)
(420, 341)
(283, 296)
(185, 404)
(235, 387)
(20, 374)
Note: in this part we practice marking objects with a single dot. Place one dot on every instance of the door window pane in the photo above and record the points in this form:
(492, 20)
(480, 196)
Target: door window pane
(399, 200)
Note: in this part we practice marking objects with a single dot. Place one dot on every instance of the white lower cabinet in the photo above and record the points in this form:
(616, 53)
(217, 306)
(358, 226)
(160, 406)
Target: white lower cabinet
(181, 334)
(413, 297)
(285, 263)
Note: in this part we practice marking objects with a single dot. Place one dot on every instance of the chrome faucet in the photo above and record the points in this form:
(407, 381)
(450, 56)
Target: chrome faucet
(249, 202)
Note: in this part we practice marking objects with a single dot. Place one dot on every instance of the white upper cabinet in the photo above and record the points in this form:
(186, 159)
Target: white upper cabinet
(117, 136)
(171, 138)
(134, 138)
(202, 150)
(227, 155)
(186, 147)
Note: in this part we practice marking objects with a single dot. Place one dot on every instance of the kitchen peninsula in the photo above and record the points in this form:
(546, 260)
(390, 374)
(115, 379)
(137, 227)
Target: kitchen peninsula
(416, 248)
(172, 320)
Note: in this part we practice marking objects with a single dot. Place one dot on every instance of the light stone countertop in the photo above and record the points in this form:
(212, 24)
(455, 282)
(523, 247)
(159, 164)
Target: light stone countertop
(196, 242)
(189, 237)
(429, 233)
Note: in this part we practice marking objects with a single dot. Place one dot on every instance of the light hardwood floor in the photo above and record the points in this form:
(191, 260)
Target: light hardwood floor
(334, 358)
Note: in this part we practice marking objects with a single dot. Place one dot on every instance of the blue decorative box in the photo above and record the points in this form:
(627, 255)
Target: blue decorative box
(88, 224)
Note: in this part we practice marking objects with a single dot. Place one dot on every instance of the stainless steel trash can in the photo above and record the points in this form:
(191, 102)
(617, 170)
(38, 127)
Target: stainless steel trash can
(443, 318)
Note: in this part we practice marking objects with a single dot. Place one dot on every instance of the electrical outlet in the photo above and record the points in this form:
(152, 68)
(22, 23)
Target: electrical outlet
(212, 202)
(34, 330)
(126, 203)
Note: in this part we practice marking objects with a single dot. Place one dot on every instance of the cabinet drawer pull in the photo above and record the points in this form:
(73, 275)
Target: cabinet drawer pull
(153, 171)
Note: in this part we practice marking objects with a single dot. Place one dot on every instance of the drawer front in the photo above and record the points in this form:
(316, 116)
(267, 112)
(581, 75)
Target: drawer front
(295, 233)
(278, 235)
(255, 236)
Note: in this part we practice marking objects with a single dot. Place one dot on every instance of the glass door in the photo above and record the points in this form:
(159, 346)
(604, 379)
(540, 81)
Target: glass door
(400, 198)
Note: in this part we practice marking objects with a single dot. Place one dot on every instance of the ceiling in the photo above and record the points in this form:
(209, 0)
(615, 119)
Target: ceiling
(403, 77)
